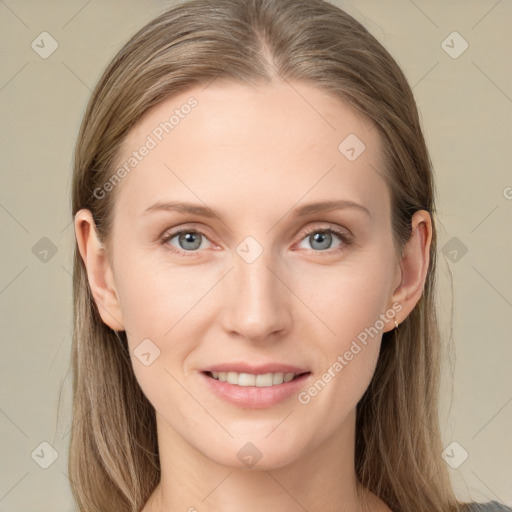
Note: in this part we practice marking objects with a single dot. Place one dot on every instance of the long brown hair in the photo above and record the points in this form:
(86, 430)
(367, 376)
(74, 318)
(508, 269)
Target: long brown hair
(113, 457)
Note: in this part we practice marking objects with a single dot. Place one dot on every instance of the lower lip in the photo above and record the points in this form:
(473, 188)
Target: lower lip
(254, 397)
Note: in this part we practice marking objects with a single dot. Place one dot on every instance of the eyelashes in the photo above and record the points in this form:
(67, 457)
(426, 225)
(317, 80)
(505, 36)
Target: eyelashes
(326, 233)
(344, 238)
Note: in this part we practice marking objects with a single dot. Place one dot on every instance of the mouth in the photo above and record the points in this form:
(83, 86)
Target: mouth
(261, 380)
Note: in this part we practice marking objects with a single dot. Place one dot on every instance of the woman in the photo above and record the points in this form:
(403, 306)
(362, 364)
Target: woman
(255, 321)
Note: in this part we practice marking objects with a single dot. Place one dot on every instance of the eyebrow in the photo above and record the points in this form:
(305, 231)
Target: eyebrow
(204, 211)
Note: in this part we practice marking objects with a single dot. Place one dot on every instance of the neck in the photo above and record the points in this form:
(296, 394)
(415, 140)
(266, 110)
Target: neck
(322, 479)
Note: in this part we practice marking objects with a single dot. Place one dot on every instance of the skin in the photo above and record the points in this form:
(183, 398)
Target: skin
(253, 155)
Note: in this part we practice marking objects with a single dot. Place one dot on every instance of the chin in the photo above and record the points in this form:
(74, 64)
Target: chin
(259, 454)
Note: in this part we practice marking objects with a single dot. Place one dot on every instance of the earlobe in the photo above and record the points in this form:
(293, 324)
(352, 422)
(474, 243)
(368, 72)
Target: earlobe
(99, 271)
(414, 264)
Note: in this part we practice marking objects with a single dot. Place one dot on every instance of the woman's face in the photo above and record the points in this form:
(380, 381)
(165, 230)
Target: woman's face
(258, 285)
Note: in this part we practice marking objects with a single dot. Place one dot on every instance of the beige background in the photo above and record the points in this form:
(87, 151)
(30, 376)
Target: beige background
(466, 109)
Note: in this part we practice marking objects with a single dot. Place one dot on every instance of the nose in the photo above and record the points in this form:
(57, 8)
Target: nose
(256, 303)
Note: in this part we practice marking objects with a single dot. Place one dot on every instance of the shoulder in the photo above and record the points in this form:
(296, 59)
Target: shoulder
(491, 506)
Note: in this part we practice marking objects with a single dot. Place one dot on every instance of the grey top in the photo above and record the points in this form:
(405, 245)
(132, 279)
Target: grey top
(491, 506)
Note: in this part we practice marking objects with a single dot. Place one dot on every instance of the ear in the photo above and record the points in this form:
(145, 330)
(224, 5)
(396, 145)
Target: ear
(99, 271)
(413, 264)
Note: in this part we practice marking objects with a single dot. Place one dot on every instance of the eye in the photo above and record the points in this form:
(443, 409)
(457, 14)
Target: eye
(187, 242)
(321, 238)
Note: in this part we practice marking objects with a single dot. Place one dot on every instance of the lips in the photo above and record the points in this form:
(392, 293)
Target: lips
(255, 386)
(254, 397)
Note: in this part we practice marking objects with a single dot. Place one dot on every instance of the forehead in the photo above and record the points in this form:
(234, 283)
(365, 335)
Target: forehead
(227, 144)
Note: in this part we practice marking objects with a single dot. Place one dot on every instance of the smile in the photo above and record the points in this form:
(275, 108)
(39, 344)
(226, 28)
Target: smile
(250, 379)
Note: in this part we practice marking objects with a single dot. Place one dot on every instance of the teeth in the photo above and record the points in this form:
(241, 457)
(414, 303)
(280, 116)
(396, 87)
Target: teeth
(249, 379)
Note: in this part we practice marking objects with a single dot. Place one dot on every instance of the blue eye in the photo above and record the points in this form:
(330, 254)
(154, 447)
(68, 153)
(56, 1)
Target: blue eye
(189, 241)
(321, 239)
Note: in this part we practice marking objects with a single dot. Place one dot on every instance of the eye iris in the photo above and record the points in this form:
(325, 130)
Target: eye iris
(323, 237)
(190, 237)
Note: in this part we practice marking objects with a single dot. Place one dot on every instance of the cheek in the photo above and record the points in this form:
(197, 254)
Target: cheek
(157, 297)
(345, 300)
(165, 305)
(163, 328)
(348, 303)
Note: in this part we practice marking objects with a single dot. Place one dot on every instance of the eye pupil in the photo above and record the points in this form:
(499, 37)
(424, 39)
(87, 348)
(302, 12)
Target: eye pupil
(190, 237)
(322, 237)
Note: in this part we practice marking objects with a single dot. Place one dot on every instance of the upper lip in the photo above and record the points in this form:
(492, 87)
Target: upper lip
(260, 369)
